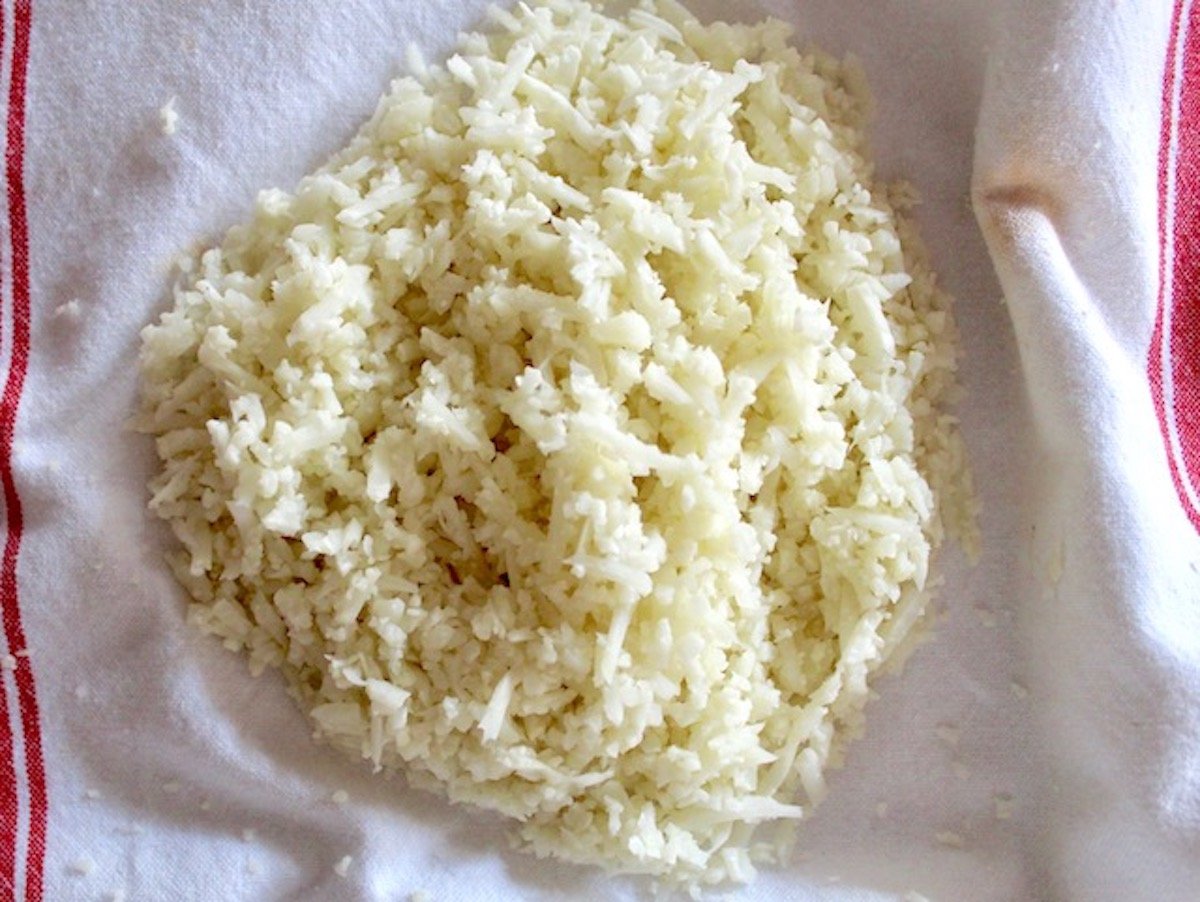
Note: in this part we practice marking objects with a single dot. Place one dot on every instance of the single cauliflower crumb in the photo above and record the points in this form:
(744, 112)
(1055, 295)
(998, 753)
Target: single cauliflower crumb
(419, 895)
(342, 868)
(881, 809)
(93, 794)
(69, 310)
(1018, 690)
(986, 617)
(961, 770)
(1055, 563)
(950, 838)
(168, 118)
(8, 662)
(1005, 806)
(339, 797)
(949, 735)
(249, 835)
(81, 867)
(171, 787)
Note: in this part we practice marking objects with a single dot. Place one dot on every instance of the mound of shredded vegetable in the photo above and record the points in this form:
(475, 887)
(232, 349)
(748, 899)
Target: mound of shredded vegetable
(569, 441)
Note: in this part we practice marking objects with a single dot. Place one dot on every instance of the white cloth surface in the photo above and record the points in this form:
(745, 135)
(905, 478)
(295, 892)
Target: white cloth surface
(1078, 698)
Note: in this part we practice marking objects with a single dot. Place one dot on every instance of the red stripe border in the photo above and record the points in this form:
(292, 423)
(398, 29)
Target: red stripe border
(1170, 253)
(1164, 166)
(10, 401)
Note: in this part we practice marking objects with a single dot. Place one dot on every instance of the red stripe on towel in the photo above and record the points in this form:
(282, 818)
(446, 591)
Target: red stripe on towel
(10, 400)
(1174, 364)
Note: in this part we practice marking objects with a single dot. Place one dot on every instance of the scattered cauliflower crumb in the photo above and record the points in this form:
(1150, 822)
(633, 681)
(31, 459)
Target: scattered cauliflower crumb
(249, 835)
(70, 310)
(171, 787)
(8, 662)
(950, 838)
(914, 896)
(93, 794)
(342, 868)
(116, 895)
(81, 867)
(574, 440)
(419, 895)
(1005, 806)
(168, 117)
(339, 797)
(205, 805)
(986, 617)
(949, 735)
(1019, 690)
(1054, 564)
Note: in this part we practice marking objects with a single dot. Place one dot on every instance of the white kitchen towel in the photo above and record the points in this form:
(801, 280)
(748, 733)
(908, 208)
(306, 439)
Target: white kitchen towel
(1046, 745)
(1087, 185)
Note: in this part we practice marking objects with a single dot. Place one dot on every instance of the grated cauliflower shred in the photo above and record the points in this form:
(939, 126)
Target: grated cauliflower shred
(573, 440)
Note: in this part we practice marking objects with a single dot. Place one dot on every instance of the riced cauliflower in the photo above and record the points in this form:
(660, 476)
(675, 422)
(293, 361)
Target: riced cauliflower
(570, 440)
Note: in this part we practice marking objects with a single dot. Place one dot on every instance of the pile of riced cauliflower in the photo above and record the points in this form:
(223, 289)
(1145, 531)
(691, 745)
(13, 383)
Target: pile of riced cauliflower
(572, 440)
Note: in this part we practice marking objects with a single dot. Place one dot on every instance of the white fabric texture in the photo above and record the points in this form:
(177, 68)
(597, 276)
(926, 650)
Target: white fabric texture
(1062, 686)
(1066, 173)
